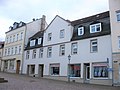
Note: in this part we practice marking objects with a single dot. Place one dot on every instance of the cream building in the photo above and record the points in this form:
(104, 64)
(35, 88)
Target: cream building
(16, 39)
(114, 6)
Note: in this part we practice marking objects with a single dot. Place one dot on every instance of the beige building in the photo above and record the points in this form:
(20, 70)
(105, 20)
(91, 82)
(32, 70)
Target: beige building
(114, 6)
(15, 42)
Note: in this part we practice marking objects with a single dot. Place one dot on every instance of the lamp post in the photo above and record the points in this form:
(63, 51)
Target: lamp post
(69, 58)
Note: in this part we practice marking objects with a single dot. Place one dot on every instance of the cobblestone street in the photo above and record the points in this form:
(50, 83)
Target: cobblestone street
(22, 82)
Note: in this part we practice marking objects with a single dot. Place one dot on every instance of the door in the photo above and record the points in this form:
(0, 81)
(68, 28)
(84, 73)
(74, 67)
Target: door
(41, 67)
(87, 72)
(18, 67)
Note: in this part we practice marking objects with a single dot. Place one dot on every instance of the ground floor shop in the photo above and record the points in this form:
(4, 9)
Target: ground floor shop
(11, 65)
(93, 72)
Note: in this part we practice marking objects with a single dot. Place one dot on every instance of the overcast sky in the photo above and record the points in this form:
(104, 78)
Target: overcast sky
(25, 10)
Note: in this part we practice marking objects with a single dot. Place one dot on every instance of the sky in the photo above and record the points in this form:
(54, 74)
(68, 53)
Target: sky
(25, 10)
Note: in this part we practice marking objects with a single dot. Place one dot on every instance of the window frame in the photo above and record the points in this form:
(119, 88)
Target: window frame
(80, 29)
(73, 49)
(92, 46)
(27, 54)
(62, 50)
(39, 41)
(95, 27)
(49, 36)
(41, 53)
(32, 43)
(34, 54)
(54, 66)
(62, 33)
(49, 52)
(118, 15)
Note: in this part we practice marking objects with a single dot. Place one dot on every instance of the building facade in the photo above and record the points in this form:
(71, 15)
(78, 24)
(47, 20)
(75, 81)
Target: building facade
(1, 52)
(87, 41)
(16, 41)
(114, 6)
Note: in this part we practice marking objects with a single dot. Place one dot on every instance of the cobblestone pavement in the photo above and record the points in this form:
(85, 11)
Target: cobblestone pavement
(22, 82)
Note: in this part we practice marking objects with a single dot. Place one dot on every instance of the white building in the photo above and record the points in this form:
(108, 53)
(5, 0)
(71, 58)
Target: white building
(16, 40)
(87, 41)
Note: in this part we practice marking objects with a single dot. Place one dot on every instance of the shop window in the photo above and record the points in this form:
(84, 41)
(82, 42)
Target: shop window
(75, 70)
(55, 69)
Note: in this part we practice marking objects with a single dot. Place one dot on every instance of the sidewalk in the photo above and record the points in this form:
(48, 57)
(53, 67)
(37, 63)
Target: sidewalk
(22, 82)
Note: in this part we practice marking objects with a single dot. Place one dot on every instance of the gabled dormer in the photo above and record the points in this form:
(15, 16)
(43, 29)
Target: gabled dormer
(93, 26)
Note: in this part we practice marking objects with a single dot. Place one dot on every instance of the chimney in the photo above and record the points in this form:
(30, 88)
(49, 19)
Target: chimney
(43, 22)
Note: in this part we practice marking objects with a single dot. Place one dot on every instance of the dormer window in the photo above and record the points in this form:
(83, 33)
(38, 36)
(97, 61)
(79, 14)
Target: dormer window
(80, 31)
(15, 25)
(20, 24)
(32, 43)
(95, 28)
(10, 28)
(39, 41)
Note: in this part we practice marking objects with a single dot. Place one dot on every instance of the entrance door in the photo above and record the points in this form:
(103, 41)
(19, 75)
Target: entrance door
(18, 67)
(40, 72)
(87, 72)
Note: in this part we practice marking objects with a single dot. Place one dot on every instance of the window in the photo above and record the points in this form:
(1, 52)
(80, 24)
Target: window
(12, 51)
(75, 70)
(32, 43)
(27, 54)
(17, 37)
(119, 42)
(34, 53)
(8, 51)
(41, 53)
(62, 50)
(21, 36)
(13, 38)
(15, 50)
(7, 40)
(49, 52)
(49, 36)
(10, 39)
(80, 31)
(39, 40)
(118, 15)
(11, 67)
(62, 33)
(5, 52)
(94, 46)
(74, 48)
(100, 70)
(54, 69)
(19, 49)
(95, 28)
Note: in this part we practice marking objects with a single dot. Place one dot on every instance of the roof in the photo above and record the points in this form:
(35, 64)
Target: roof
(102, 18)
(91, 18)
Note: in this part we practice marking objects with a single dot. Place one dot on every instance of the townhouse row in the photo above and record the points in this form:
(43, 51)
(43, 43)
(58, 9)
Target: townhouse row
(85, 50)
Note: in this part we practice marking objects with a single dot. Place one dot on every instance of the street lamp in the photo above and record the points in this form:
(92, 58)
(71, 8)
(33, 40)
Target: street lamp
(69, 57)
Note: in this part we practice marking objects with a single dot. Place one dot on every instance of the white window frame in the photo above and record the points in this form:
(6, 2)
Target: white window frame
(74, 48)
(27, 54)
(11, 67)
(49, 36)
(80, 31)
(39, 41)
(21, 35)
(32, 42)
(118, 15)
(20, 48)
(49, 52)
(17, 37)
(41, 53)
(118, 42)
(34, 54)
(13, 38)
(16, 50)
(62, 33)
(95, 28)
(62, 50)
(8, 51)
(92, 45)
(12, 51)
